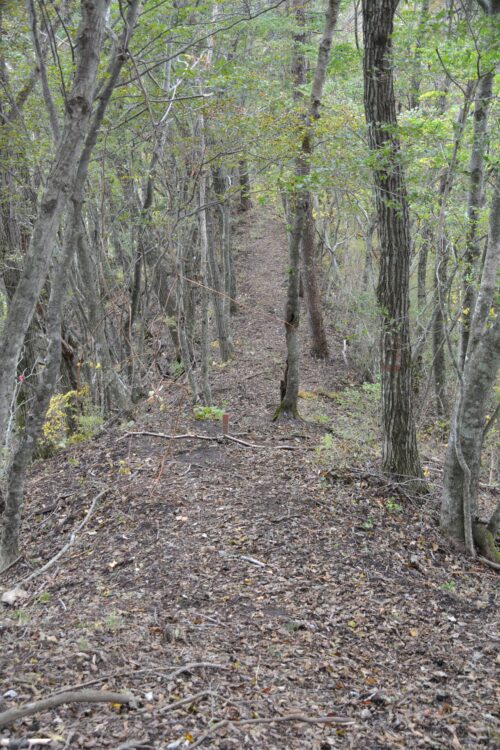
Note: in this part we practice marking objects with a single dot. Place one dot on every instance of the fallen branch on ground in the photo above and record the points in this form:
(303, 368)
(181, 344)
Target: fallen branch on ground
(215, 438)
(489, 563)
(271, 720)
(81, 696)
(69, 544)
(25, 743)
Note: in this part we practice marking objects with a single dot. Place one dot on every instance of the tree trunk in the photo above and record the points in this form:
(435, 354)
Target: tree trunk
(442, 258)
(400, 453)
(476, 180)
(245, 191)
(14, 496)
(482, 361)
(205, 332)
(319, 343)
(302, 234)
(220, 283)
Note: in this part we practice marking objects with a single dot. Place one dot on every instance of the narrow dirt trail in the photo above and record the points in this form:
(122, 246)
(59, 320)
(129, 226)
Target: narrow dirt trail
(301, 591)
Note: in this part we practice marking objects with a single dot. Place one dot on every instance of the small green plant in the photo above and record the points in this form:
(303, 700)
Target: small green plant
(368, 524)
(391, 504)
(21, 616)
(448, 586)
(44, 597)
(324, 447)
(208, 412)
(114, 621)
(123, 468)
(83, 645)
(320, 418)
(86, 426)
(177, 369)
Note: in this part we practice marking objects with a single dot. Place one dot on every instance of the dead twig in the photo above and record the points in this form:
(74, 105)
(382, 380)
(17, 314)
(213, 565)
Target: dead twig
(195, 665)
(252, 560)
(134, 744)
(80, 696)
(69, 544)
(184, 701)
(271, 720)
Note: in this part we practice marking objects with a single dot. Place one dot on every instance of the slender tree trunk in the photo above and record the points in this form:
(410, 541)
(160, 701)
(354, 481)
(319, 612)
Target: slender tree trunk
(297, 206)
(438, 328)
(368, 232)
(183, 327)
(222, 320)
(221, 185)
(400, 453)
(319, 343)
(302, 234)
(416, 76)
(14, 496)
(245, 190)
(476, 180)
(220, 283)
(442, 259)
(116, 393)
(422, 276)
(482, 361)
(205, 331)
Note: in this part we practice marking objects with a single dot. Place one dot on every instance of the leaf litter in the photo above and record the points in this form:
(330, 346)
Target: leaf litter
(245, 598)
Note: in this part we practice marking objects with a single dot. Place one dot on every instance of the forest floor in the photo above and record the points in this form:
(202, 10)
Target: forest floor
(257, 583)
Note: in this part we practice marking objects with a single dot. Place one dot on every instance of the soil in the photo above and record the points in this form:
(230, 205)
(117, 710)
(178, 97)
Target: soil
(258, 583)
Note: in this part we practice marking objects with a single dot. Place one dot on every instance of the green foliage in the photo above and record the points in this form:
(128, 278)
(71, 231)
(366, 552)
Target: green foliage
(70, 419)
(208, 413)
(392, 505)
(448, 586)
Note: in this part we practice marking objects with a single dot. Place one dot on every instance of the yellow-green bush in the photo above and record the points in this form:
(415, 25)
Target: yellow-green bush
(69, 420)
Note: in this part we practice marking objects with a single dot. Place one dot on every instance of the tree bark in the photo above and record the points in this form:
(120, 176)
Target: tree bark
(319, 343)
(303, 231)
(400, 453)
(203, 231)
(245, 190)
(475, 200)
(441, 265)
(482, 361)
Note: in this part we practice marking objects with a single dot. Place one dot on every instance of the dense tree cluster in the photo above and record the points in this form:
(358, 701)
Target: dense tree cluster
(133, 133)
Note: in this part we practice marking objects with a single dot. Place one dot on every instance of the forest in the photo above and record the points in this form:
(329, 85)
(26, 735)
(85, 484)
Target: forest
(249, 374)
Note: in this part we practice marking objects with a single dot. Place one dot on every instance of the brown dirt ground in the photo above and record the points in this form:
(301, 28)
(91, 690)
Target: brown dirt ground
(257, 577)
